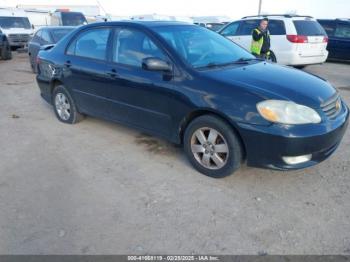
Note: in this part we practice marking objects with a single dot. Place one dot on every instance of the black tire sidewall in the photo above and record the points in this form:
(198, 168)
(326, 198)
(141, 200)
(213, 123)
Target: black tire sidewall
(6, 53)
(73, 118)
(235, 148)
(273, 57)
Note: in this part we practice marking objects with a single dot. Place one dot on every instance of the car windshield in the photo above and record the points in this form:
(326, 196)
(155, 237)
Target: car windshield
(14, 22)
(58, 34)
(201, 47)
(308, 27)
(73, 19)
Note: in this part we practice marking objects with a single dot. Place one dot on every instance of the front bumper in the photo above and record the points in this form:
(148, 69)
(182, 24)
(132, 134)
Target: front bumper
(266, 145)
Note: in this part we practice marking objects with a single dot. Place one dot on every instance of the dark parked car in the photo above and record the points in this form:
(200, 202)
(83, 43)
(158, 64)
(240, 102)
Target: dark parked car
(212, 26)
(5, 49)
(45, 37)
(194, 87)
(338, 31)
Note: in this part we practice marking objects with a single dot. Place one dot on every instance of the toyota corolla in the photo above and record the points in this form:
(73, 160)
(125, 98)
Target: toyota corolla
(194, 87)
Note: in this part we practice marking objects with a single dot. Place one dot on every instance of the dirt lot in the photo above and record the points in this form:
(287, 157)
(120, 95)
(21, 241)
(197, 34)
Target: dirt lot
(101, 188)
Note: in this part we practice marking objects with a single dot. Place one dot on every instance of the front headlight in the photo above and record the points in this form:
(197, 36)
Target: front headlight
(286, 112)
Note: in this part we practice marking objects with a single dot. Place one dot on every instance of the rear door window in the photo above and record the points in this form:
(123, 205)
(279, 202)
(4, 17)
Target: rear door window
(91, 44)
(276, 27)
(308, 28)
(342, 31)
(231, 29)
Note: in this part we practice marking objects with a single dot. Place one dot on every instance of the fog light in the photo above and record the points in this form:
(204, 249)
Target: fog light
(293, 160)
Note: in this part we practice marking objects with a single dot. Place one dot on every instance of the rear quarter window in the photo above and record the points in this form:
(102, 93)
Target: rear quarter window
(308, 28)
(90, 44)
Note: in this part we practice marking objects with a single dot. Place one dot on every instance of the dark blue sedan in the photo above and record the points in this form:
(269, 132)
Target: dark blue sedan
(194, 87)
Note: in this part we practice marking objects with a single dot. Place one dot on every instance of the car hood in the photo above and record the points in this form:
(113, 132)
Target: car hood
(272, 81)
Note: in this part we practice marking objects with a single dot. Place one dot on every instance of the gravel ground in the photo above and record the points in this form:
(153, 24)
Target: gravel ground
(101, 188)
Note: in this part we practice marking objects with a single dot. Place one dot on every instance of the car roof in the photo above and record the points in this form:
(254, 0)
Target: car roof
(276, 15)
(140, 23)
(346, 20)
(56, 27)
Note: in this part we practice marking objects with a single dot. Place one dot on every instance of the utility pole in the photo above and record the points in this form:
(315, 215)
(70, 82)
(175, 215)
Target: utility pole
(260, 4)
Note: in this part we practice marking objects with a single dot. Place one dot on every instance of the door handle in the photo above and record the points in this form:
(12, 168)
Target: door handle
(112, 73)
(68, 64)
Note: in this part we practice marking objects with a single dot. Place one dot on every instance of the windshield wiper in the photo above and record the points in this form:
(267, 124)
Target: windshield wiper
(239, 61)
(210, 65)
(245, 60)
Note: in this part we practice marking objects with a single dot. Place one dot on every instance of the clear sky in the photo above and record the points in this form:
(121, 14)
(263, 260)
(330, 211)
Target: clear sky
(231, 8)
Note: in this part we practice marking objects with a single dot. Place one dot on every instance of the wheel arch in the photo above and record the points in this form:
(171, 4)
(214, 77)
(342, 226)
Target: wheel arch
(54, 82)
(200, 112)
(274, 54)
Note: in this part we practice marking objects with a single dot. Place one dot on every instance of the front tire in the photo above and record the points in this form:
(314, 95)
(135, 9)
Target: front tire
(212, 146)
(64, 106)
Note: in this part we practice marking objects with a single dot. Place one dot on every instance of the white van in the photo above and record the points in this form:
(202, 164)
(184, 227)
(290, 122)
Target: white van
(295, 40)
(14, 23)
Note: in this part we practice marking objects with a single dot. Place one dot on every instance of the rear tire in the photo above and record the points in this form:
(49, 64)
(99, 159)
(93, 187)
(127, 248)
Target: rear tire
(64, 106)
(212, 146)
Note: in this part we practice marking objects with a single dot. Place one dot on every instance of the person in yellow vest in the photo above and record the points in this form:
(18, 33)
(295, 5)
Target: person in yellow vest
(260, 46)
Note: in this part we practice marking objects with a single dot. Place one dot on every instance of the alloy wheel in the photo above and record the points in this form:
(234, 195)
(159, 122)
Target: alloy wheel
(62, 106)
(209, 148)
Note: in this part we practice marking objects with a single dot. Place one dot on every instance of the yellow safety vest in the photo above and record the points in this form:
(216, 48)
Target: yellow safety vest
(256, 46)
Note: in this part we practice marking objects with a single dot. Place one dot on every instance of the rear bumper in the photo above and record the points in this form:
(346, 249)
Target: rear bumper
(266, 145)
(295, 59)
(45, 88)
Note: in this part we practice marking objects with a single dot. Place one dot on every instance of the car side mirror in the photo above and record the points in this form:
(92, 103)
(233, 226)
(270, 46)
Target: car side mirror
(156, 64)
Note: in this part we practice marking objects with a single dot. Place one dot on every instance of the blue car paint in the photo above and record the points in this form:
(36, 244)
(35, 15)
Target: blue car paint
(163, 104)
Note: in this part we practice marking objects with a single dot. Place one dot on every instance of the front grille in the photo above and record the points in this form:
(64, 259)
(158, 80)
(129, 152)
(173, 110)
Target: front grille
(18, 38)
(332, 106)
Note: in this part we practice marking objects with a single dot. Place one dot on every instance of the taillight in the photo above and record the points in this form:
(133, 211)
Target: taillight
(325, 39)
(297, 38)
